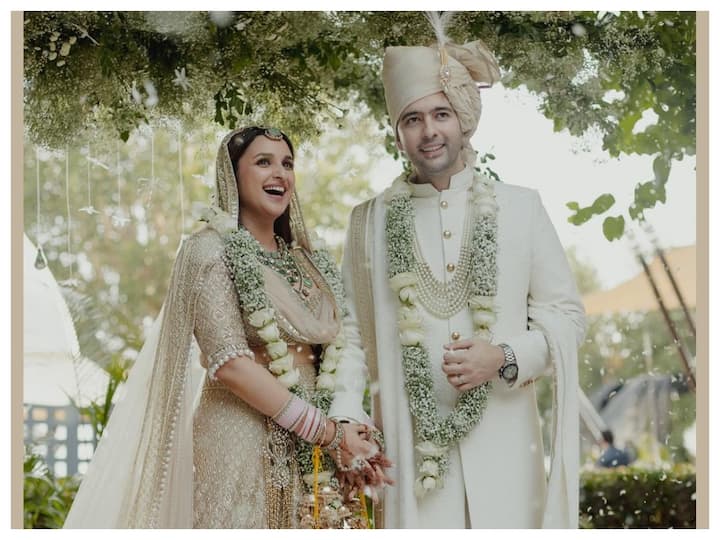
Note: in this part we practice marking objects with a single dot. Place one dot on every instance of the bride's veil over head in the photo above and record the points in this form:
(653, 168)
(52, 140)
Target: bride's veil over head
(141, 475)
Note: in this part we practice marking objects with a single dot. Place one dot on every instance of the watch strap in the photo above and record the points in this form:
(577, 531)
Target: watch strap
(510, 359)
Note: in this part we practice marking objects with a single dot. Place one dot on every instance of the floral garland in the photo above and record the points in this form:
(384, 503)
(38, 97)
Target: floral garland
(241, 257)
(436, 434)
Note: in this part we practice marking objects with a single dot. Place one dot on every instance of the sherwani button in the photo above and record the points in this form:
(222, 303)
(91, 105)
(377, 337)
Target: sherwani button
(450, 267)
(455, 336)
(443, 204)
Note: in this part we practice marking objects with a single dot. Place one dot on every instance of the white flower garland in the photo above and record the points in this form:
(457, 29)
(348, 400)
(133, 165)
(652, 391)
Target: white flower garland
(437, 434)
(241, 258)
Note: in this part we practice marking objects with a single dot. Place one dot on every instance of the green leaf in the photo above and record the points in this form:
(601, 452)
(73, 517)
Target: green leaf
(613, 227)
(648, 194)
(635, 212)
(661, 168)
(581, 216)
(603, 203)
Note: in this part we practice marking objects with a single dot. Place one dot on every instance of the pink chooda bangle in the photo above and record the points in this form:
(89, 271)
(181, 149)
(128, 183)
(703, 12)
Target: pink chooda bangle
(300, 417)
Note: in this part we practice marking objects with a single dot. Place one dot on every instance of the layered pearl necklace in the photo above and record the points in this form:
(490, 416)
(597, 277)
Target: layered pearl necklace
(413, 285)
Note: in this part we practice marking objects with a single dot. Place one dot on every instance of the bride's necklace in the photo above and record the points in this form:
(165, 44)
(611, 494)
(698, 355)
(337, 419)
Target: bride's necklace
(283, 262)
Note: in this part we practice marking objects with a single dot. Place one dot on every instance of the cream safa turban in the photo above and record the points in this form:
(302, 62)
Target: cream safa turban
(411, 73)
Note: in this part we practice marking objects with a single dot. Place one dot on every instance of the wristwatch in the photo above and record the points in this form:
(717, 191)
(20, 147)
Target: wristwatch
(509, 370)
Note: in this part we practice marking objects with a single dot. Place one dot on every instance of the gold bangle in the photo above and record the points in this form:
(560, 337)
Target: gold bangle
(282, 409)
(337, 439)
(324, 432)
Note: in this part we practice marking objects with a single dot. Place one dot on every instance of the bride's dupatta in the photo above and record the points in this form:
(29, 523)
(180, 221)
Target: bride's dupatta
(141, 475)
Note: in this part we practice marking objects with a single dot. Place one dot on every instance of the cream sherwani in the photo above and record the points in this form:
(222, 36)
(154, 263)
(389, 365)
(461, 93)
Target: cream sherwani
(497, 476)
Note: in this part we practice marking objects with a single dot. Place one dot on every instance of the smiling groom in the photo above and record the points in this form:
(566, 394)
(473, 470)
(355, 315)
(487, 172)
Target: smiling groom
(463, 297)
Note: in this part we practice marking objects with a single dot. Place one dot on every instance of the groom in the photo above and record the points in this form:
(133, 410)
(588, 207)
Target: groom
(463, 297)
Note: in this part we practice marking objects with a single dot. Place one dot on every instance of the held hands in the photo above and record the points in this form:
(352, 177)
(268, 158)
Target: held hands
(471, 362)
(360, 461)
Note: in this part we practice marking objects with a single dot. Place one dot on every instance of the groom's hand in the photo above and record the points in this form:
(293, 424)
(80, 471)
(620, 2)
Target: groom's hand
(471, 362)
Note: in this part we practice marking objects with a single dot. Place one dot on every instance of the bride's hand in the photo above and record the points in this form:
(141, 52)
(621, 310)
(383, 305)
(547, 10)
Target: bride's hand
(355, 450)
(360, 461)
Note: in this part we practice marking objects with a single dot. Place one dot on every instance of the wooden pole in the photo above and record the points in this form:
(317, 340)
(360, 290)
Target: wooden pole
(661, 254)
(684, 356)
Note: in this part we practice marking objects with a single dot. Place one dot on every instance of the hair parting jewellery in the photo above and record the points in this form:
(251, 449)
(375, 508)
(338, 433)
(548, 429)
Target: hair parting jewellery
(273, 133)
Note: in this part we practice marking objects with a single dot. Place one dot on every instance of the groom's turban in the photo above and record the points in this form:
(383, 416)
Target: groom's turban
(411, 73)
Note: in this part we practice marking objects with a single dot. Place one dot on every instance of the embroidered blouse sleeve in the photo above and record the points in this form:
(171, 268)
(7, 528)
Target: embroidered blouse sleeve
(219, 326)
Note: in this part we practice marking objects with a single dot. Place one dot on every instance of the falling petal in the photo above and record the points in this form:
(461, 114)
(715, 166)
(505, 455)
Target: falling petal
(578, 30)
(152, 98)
(222, 18)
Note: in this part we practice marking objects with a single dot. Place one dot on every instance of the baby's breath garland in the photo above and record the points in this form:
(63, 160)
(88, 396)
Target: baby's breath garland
(436, 434)
(242, 259)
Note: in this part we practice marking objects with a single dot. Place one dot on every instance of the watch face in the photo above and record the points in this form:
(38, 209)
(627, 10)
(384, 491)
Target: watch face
(510, 372)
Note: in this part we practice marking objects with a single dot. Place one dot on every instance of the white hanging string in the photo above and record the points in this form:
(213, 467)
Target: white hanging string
(148, 184)
(40, 260)
(37, 189)
(182, 184)
(70, 282)
(119, 219)
(152, 156)
(89, 209)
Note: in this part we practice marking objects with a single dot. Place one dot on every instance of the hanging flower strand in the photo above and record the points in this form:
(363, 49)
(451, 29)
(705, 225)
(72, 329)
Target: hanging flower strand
(89, 209)
(119, 218)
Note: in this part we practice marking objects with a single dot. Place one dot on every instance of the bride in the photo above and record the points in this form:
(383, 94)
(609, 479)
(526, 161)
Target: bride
(266, 310)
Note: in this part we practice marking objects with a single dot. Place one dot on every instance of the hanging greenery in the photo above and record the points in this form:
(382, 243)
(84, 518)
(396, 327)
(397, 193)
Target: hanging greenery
(595, 71)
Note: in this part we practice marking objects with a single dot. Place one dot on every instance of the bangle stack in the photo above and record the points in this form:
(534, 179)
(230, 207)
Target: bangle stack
(305, 420)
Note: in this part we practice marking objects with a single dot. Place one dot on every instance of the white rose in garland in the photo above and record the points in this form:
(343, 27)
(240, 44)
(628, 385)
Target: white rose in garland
(277, 349)
(270, 332)
(436, 434)
(262, 317)
(281, 365)
(403, 279)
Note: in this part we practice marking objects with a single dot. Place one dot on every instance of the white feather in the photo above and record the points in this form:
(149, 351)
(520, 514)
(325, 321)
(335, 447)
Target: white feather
(440, 23)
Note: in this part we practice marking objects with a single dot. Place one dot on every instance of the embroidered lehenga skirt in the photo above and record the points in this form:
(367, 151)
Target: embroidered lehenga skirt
(245, 471)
